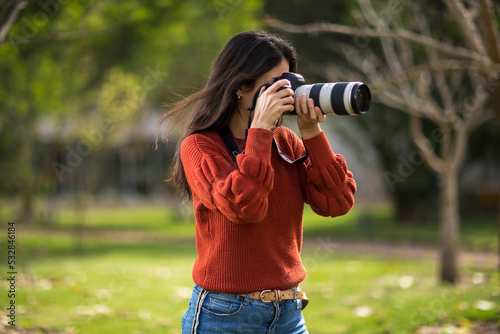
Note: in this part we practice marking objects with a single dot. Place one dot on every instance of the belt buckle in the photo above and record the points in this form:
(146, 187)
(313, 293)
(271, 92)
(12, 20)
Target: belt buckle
(277, 295)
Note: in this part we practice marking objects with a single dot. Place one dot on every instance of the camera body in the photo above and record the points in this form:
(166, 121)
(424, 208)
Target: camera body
(333, 98)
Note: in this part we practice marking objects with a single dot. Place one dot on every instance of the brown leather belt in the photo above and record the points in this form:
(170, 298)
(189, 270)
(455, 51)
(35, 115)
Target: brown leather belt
(268, 296)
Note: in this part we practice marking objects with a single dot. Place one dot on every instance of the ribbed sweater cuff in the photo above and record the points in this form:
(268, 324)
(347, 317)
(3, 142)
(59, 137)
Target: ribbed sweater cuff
(319, 149)
(259, 143)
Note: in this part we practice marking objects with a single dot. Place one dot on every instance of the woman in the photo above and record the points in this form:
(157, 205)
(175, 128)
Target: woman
(248, 207)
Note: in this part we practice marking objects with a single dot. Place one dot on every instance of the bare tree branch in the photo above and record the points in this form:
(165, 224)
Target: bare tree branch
(314, 28)
(434, 162)
(490, 29)
(444, 90)
(493, 42)
(459, 148)
(465, 21)
(370, 15)
(5, 26)
(391, 55)
(417, 71)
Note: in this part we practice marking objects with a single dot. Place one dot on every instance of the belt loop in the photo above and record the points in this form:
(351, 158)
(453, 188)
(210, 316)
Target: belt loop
(246, 301)
(298, 302)
(277, 294)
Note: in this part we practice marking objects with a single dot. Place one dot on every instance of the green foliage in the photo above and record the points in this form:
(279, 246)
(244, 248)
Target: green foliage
(74, 45)
(82, 62)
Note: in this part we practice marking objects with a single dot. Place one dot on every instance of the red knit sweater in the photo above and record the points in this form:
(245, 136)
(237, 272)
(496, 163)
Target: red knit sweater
(249, 212)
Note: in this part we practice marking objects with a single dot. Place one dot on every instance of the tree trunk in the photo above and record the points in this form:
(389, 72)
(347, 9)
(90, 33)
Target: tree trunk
(449, 226)
(27, 175)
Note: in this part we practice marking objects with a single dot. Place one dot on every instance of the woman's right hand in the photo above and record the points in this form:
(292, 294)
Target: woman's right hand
(271, 104)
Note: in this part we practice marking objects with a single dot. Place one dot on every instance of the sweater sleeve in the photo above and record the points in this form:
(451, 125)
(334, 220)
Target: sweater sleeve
(238, 191)
(330, 186)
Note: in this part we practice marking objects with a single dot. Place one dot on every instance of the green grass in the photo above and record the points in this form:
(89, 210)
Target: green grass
(131, 273)
(117, 287)
(372, 295)
(112, 288)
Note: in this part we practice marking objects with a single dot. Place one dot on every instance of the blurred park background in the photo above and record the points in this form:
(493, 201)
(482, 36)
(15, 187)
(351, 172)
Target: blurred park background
(103, 245)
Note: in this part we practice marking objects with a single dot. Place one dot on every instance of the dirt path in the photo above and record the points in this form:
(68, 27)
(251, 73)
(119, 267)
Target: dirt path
(398, 251)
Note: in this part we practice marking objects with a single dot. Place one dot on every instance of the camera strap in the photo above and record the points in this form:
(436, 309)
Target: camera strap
(234, 149)
(254, 99)
(230, 142)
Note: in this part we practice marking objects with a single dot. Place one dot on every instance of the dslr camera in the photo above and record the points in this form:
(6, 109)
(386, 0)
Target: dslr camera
(333, 98)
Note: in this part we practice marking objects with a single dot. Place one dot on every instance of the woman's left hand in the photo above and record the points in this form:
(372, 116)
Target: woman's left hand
(309, 117)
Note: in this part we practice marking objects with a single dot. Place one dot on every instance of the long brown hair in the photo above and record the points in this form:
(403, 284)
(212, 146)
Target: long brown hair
(246, 57)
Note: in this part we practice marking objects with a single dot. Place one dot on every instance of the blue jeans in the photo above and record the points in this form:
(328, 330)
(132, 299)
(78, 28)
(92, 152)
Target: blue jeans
(216, 312)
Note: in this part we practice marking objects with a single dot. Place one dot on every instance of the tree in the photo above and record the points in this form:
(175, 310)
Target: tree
(415, 199)
(59, 57)
(446, 76)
